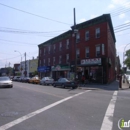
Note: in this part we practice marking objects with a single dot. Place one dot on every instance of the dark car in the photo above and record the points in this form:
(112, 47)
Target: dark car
(26, 79)
(64, 82)
(5, 82)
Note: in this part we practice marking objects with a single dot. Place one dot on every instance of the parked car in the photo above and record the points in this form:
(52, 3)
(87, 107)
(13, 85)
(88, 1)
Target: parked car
(34, 80)
(26, 79)
(5, 82)
(64, 82)
(16, 78)
(46, 81)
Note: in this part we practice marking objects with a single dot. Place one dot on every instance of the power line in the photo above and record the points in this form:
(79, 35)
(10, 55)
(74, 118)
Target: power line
(33, 14)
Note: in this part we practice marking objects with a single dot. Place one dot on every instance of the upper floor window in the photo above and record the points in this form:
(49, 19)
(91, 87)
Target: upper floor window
(98, 51)
(67, 44)
(40, 52)
(87, 52)
(44, 51)
(60, 47)
(97, 33)
(86, 35)
(54, 60)
(54, 47)
(44, 62)
(49, 49)
(67, 58)
(48, 61)
(60, 59)
(77, 37)
(78, 53)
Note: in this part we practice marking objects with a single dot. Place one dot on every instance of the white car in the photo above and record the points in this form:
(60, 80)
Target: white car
(5, 82)
(46, 81)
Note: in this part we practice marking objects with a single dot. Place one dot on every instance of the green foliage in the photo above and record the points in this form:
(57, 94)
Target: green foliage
(127, 60)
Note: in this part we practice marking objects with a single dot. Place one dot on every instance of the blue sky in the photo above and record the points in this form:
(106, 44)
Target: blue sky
(19, 30)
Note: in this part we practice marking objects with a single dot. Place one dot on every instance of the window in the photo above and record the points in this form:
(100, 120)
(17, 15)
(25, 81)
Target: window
(44, 62)
(49, 49)
(60, 59)
(87, 36)
(44, 51)
(54, 47)
(87, 52)
(54, 60)
(103, 49)
(67, 44)
(77, 37)
(78, 53)
(40, 52)
(67, 58)
(98, 51)
(48, 61)
(60, 47)
(97, 32)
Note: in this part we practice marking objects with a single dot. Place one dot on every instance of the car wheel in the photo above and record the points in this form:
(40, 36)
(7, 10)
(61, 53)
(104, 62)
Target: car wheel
(54, 85)
(63, 86)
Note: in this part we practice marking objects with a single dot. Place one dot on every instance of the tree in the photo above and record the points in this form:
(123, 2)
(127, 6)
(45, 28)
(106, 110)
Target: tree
(127, 60)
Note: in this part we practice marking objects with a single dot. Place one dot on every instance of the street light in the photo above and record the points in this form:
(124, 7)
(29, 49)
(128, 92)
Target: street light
(21, 61)
(124, 54)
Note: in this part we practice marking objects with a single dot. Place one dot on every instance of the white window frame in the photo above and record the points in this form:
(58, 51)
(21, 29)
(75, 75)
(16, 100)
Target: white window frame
(54, 47)
(67, 44)
(54, 60)
(44, 61)
(60, 46)
(87, 52)
(67, 58)
(60, 59)
(49, 61)
(44, 51)
(77, 37)
(49, 49)
(86, 35)
(98, 50)
(97, 32)
(78, 53)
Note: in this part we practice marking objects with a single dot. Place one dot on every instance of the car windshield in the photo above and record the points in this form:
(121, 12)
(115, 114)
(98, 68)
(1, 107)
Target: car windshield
(4, 78)
(64, 79)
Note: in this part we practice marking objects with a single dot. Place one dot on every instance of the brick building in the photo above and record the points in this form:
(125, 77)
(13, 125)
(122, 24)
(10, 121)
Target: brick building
(95, 51)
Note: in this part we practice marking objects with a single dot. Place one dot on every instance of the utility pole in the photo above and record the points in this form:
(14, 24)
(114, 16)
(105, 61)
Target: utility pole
(25, 73)
(75, 44)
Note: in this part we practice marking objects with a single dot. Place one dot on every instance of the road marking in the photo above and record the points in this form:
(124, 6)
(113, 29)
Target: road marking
(19, 120)
(108, 118)
(41, 92)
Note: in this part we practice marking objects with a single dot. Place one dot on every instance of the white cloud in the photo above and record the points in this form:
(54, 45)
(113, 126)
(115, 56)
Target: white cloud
(124, 3)
(127, 21)
(121, 16)
(111, 6)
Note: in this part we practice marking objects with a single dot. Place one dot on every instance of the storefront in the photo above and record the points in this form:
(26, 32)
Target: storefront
(44, 71)
(92, 68)
(60, 71)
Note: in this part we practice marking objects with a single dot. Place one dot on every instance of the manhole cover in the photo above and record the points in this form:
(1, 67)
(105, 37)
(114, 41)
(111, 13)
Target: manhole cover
(9, 114)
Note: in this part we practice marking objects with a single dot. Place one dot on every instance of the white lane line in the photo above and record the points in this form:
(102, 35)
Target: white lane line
(108, 118)
(21, 119)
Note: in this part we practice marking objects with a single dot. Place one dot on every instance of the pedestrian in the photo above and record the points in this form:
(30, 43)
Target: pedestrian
(90, 77)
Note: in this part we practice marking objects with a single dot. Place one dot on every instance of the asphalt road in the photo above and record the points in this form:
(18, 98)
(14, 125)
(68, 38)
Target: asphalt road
(36, 107)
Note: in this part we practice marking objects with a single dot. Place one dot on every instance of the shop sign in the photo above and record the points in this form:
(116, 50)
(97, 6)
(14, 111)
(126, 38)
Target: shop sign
(94, 61)
(60, 68)
(44, 69)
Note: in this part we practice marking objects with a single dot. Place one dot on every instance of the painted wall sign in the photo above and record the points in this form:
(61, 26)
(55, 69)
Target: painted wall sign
(91, 61)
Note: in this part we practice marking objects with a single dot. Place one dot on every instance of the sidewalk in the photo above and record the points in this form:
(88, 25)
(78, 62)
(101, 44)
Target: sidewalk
(112, 86)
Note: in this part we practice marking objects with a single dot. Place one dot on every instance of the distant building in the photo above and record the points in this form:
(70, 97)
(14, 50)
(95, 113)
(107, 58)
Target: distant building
(33, 65)
(95, 52)
(16, 69)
